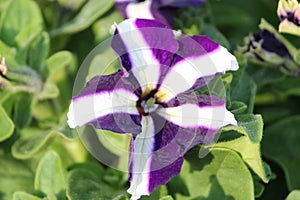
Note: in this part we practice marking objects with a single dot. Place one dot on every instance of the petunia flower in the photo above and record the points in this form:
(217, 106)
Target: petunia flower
(161, 10)
(268, 47)
(153, 98)
(288, 12)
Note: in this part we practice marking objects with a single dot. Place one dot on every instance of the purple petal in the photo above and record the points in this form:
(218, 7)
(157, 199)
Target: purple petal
(107, 102)
(146, 48)
(198, 57)
(164, 14)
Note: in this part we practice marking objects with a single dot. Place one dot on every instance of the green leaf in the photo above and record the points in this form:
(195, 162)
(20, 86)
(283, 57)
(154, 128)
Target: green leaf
(222, 174)
(294, 195)
(237, 107)
(297, 57)
(118, 144)
(258, 186)
(106, 56)
(33, 141)
(25, 38)
(248, 146)
(167, 198)
(20, 15)
(287, 86)
(38, 52)
(92, 10)
(157, 194)
(49, 176)
(6, 124)
(9, 53)
(252, 125)
(57, 62)
(87, 184)
(121, 197)
(281, 143)
(245, 91)
(15, 176)
(22, 110)
(24, 196)
(102, 28)
(50, 91)
(211, 31)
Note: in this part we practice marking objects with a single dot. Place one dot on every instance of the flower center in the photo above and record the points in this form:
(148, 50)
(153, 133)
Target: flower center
(147, 103)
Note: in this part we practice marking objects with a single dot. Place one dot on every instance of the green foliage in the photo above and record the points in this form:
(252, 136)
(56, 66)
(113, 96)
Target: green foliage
(285, 136)
(44, 43)
(294, 195)
(88, 184)
(92, 10)
(6, 124)
(20, 23)
(222, 174)
(15, 175)
(49, 177)
(24, 196)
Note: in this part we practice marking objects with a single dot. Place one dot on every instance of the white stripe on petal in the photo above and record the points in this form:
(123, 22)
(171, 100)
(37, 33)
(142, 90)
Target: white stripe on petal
(145, 66)
(143, 149)
(87, 108)
(193, 116)
(184, 74)
(140, 10)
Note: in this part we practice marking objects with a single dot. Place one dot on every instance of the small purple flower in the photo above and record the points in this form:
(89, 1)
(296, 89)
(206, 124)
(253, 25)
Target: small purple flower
(161, 10)
(152, 97)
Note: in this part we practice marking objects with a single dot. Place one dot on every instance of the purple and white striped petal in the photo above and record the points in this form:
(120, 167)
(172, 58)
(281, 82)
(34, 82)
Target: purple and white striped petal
(107, 102)
(197, 111)
(140, 10)
(135, 9)
(198, 57)
(148, 168)
(146, 48)
(161, 10)
(140, 166)
(193, 116)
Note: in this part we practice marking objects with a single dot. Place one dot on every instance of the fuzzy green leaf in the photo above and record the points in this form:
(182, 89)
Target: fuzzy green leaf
(6, 124)
(294, 195)
(222, 174)
(38, 52)
(87, 184)
(248, 146)
(15, 176)
(24, 196)
(245, 91)
(22, 110)
(92, 10)
(20, 15)
(102, 28)
(33, 140)
(237, 107)
(49, 176)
